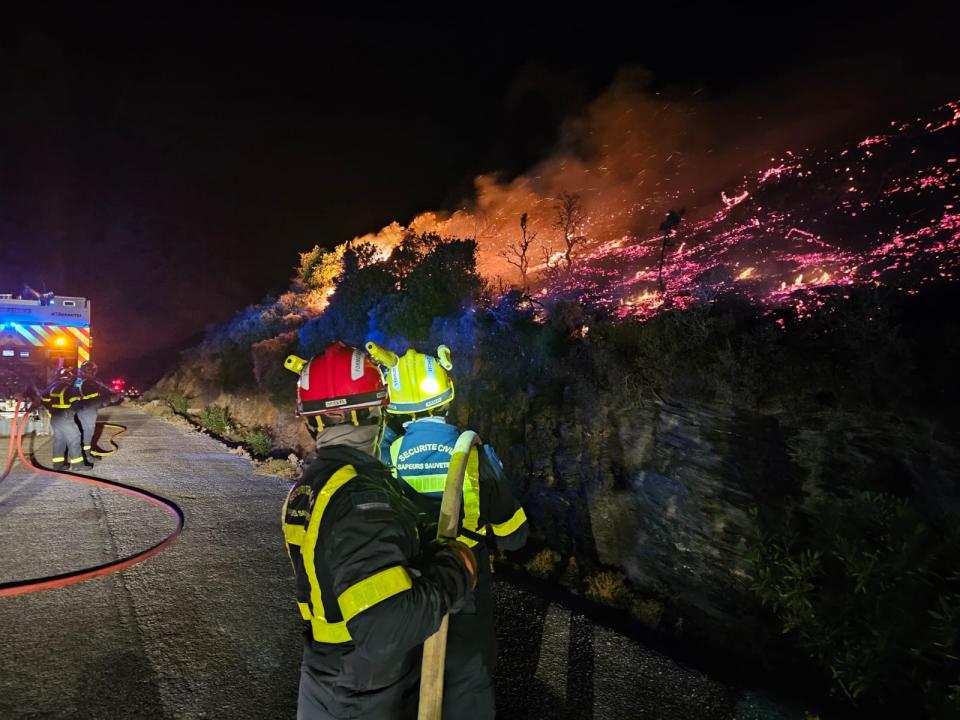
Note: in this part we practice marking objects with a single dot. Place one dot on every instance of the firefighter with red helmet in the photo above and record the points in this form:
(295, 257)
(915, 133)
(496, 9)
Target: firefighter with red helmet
(368, 594)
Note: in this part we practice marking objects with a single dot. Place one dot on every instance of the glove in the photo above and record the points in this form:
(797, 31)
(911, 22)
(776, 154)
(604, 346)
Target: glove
(453, 568)
(468, 559)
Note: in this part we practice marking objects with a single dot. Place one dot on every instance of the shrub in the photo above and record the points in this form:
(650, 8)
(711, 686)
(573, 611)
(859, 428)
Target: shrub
(648, 611)
(216, 419)
(278, 468)
(544, 563)
(868, 588)
(258, 442)
(444, 280)
(177, 402)
(609, 588)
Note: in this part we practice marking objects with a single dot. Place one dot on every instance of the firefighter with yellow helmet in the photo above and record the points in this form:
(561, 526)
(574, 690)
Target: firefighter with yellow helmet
(421, 391)
(368, 594)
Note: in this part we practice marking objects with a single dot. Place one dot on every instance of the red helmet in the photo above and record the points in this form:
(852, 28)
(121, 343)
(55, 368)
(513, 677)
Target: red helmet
(341, 378)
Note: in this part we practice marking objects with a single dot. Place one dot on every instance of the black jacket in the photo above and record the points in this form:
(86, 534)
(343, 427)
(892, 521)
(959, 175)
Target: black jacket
(367, 527)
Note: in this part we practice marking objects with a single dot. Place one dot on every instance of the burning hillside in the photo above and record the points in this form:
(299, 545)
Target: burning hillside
(884, 210)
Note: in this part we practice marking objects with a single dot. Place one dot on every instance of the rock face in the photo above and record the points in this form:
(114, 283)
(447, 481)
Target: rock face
(662, 490)
(677, 492)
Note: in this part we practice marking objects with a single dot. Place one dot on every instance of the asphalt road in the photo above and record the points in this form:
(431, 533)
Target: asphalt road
(209, 628)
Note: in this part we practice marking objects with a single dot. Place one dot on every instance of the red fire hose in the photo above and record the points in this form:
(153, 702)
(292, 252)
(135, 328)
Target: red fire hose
(10, 442)
(19, 587)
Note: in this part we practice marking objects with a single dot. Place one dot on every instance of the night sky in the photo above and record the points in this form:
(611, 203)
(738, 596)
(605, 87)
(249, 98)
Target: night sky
(170, 165)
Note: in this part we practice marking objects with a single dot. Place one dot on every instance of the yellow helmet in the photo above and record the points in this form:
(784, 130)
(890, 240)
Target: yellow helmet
(417, 382)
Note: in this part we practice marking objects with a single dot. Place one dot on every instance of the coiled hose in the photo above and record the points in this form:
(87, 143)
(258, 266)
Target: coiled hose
(20, 587)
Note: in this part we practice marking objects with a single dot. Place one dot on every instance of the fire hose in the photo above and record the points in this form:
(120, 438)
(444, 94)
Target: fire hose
(113, 439)
(13, 437)
(435, 647)
(19, 587)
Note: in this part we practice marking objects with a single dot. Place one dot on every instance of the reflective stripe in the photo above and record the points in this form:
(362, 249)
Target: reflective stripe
(395, 453)
(323, 631)
(423, 405)
(74, 461)
(87, 447)
(372, 590)
(293, 534)
(329, 632)
(510, 526)
(60, 406)
(44, 334)
(471, 492)
(436, 484)
(28, 335)
(58, 459)
(92, 395)
(424, 483)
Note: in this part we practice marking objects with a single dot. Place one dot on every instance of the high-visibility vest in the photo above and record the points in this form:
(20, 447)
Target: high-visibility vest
(60, 395)
(303, 512)
(87, 389)
(433, 483)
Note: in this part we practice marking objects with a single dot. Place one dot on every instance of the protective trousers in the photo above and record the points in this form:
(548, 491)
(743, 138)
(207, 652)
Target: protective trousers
(87, 415)
(66, 437)
(472, 653)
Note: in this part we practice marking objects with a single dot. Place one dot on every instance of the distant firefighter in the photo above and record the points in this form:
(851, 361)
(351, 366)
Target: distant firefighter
(421, 392)
(93, 395)
(368, 594)
(60, 398)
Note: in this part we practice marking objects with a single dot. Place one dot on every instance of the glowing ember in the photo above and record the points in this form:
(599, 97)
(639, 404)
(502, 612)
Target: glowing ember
(882, 210)
(793, 232)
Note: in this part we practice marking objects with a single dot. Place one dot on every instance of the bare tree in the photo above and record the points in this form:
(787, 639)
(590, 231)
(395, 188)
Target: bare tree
(551, 265)
(668, 227)
(569, 219)
(517, 252)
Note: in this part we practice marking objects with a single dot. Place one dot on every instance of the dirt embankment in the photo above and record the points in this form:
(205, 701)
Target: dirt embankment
(196, 385)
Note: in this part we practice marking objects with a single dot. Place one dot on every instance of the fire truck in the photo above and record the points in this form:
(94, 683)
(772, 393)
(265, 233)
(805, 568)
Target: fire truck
(39, 333)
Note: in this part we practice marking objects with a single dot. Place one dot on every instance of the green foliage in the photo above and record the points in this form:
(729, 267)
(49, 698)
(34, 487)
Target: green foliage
(216, 419)
(319, 267)
(259, 442)
(177, 402)
(347, 316)
(443, 281)
(866, 586)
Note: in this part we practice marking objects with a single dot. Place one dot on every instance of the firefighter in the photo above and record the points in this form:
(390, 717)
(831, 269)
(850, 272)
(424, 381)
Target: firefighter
(421, 392)
(92, 394)
(60, 399)
(367, 594)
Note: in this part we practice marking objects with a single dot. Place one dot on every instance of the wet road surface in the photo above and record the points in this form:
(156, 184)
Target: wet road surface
(209, 629)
